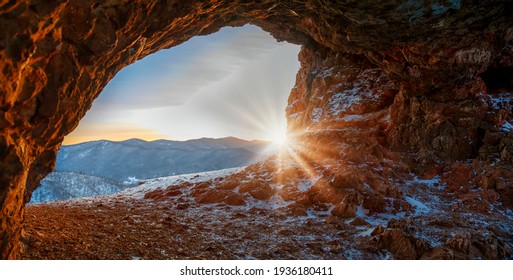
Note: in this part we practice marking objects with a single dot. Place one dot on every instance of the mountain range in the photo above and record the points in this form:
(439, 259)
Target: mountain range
(103, 167)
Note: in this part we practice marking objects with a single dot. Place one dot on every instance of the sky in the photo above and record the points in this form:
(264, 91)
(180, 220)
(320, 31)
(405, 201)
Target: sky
(232, 83)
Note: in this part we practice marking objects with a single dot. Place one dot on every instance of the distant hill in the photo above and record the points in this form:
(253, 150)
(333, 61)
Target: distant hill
(102, 167)
(64, 185)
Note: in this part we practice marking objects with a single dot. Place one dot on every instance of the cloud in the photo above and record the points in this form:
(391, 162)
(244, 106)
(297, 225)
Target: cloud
(169, 78)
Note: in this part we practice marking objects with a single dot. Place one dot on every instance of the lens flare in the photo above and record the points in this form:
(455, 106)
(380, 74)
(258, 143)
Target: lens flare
(278, 138)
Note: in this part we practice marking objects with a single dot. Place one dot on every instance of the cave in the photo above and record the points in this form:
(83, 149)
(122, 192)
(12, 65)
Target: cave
(402, 85)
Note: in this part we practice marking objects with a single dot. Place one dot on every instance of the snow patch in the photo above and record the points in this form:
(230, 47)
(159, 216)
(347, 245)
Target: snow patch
(506, 127)
(366, 232)
(305, 185)
(84, 153)
(316, 115)
(361, 212)
(164, 182)
(499, 101)
(131, 181)
(419, 206)
(351, 118)
(434, 182)
(354, 94)
(326, 73)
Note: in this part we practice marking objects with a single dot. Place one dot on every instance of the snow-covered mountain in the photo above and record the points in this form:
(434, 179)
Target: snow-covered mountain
(103, 167)
(62, 185)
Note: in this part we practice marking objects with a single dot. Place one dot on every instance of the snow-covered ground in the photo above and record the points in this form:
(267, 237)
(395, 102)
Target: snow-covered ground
(164, 182)
(168, 211)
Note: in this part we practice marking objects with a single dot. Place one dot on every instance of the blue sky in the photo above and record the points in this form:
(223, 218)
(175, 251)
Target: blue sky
(232, 83)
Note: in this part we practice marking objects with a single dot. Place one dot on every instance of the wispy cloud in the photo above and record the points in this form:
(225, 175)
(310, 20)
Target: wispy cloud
(171, 77)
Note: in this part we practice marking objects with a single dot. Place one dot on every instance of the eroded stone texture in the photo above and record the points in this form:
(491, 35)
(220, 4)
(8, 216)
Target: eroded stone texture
(400, 86)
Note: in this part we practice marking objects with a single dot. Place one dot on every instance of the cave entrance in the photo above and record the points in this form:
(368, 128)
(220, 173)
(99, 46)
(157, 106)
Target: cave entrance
(225, 90)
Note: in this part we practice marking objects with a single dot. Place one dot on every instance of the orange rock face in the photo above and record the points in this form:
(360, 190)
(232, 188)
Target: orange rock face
(387, 93)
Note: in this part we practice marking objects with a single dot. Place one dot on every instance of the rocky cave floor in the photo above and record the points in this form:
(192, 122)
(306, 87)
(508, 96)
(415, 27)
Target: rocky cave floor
(229, 215)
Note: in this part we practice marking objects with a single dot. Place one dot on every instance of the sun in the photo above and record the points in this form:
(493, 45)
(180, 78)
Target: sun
(279, 138)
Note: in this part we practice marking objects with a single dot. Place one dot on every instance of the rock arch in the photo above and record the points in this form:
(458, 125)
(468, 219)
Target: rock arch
(411, 67)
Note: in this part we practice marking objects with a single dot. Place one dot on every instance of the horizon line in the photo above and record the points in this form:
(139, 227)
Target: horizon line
(163, 139)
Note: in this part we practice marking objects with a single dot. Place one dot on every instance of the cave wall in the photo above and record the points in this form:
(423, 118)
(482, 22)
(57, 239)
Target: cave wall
(410, 68)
